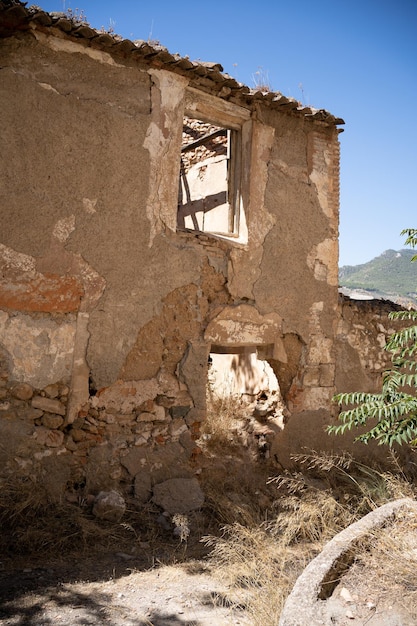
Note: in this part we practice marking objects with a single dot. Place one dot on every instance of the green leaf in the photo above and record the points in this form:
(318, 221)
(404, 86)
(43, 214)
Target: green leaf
(395, 408)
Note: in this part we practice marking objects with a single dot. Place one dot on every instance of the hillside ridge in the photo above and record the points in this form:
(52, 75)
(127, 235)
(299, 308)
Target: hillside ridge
(390, 276)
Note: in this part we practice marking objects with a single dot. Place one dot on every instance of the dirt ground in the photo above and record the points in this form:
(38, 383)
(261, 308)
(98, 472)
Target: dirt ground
(116, 592)
(149, 578)
(121, 590)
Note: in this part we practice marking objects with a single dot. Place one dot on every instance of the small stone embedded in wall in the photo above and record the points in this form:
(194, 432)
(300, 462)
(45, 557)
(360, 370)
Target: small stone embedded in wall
(165, 401)
(143, 440)
(146, 407)
(177, 427)
(22, 391)
(178, 495)
(179, 411)
(33, 414)
(142, 487)
(187, 441)
(146, 417)
(51, 420)
(52, 391)
(78, 434)
(134, 460)
(70, 444)
(49, 438)
(49, 405)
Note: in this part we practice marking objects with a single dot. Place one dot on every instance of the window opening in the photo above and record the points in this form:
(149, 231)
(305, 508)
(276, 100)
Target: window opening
(209, 195)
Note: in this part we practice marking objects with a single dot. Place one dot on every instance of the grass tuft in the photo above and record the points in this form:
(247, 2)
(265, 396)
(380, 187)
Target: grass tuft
(222, 428)
(261, 560)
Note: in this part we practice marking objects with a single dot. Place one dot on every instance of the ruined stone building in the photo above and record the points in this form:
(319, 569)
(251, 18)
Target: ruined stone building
(158, 220)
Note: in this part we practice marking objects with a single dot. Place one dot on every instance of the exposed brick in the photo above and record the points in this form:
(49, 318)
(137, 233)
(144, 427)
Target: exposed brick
(45, 293)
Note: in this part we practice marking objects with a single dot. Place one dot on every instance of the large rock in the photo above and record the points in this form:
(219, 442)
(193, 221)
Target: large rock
(143, 487)
(109, 505)
(178, 495)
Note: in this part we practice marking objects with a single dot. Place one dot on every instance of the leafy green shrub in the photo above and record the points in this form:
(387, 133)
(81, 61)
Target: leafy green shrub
(395, 408)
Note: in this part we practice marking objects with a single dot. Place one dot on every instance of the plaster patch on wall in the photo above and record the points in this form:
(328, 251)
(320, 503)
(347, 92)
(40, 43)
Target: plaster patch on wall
(244, 267)
(41, 350)
(64, 45)
(15, 261)
(48, 88)
(324, 171)
(313, 398)
(22, 288)
(319, 357)
(318, 377)
(319, 173)
(94, 284)
(322, 260)
(367, 343)
(63, 228)
(125, 397)
(163, 141)
(244, 334)
(320, 350)
(90, 205)
(80, 370)
(243, 325)
(292, 171)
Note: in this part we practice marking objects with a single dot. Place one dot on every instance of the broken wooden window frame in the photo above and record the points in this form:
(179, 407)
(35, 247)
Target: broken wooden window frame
(236, 121)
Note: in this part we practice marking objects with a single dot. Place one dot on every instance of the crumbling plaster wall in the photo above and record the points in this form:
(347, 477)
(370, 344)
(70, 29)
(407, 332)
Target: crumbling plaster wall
(302, 249)
(90, 248)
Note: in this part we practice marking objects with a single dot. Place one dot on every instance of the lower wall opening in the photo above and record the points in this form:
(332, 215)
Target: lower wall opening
(244, 403)
(241, 371)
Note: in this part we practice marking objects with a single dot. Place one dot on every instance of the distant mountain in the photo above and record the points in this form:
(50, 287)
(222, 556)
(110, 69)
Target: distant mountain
(391, 276)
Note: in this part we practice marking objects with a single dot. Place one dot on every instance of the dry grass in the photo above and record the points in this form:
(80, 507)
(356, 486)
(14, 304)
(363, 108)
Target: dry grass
(259, 570)
(262, 550)
(388, 566)
(262, 560)
(36, 529)
(394, 557)
(223, 424)
(269, 531)
(32, 525)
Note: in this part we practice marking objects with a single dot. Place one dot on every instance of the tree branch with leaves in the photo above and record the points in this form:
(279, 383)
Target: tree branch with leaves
(389, 416)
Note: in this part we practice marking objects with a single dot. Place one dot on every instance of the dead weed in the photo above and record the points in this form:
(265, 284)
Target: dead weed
(222, 428)
(262, 560)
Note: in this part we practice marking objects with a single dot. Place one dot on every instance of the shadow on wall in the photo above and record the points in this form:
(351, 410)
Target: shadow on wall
(240, 371)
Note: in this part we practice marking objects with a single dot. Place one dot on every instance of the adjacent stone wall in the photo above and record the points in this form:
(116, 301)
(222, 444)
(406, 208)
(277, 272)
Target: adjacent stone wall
(363, 327)
(362, 332)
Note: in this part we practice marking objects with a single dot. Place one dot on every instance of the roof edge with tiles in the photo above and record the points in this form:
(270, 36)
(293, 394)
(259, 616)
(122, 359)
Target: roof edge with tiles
(15, 16)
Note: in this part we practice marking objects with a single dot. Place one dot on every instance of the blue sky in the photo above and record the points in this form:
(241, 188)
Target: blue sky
(355, 58)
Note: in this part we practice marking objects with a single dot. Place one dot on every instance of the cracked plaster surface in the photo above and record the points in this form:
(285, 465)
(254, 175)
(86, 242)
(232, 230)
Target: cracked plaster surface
(163, 142)
(245, 264)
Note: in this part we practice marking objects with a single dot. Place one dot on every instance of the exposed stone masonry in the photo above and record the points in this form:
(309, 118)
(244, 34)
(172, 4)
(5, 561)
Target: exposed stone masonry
(129, 435)
(195, 129)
